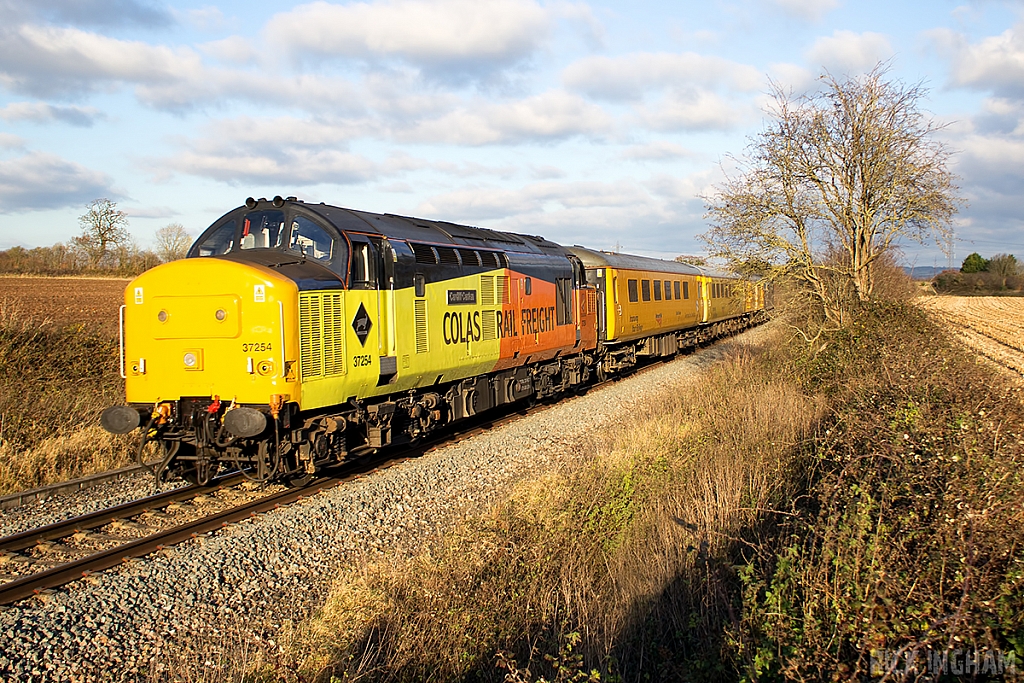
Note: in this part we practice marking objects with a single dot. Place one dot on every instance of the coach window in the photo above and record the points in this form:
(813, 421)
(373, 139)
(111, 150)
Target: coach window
(262, 230)
(419, 284)
(645, 289)
(686, 290)
(633, 294)
(528, 286)
(657, 290)
(668, 291)
(310, 240)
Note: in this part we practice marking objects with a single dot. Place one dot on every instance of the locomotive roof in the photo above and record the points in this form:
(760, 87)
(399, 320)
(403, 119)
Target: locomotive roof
(598, 259)
(423, 230)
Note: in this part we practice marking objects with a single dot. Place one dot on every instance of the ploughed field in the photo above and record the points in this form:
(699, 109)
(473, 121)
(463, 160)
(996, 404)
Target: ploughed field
(991, 325)
(92, 302)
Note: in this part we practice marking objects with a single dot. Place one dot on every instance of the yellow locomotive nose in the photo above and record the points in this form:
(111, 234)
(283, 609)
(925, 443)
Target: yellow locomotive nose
(210, 327)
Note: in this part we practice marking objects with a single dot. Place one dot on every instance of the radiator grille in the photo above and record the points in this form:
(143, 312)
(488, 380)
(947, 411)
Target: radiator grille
(310, 339)
(502, 292)
(420, 316)
(334, 335)
(321, 335)
(490, 326)
(486, 290)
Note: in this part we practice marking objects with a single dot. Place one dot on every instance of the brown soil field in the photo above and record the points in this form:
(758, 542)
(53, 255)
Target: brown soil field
(993, 326)
(93, 302)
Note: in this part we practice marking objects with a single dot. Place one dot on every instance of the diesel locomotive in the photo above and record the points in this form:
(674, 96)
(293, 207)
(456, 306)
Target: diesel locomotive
(297, 334)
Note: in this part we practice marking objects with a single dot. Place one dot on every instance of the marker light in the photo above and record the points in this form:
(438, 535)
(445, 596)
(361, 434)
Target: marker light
(189, 360)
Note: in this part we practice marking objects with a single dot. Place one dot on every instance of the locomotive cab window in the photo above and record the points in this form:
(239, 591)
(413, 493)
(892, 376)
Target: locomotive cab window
(362, 274)
(528, 285)
(310, 240)
(262, 230)
(220, 240)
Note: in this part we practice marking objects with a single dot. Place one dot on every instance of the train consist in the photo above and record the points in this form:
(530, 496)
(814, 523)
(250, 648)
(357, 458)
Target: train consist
(296, 334)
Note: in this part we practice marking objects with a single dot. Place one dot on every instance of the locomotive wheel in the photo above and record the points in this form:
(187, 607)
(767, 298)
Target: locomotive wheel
(298, 479)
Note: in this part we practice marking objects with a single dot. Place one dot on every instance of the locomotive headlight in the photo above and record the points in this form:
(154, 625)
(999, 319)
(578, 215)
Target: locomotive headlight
(221, 314)
(162, 316)
(190, 360)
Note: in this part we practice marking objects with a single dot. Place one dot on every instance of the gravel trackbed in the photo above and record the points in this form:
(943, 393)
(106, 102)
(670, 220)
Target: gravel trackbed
(264, 572)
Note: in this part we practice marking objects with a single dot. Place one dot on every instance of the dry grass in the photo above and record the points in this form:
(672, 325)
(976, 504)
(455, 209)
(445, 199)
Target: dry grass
(54, 383)
(572, 570)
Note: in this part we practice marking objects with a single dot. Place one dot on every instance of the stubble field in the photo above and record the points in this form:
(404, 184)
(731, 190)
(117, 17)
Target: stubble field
(992, 326)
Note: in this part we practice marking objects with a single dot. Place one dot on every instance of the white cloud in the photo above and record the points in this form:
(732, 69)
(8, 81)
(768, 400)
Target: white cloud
(50, 60)
(233, 50)
(283, 150)
(697, 110)
(846, 52)
(656, 151)
(207, 18)
(40, 112)
(151, 212)
(11, 141)
(39, 180)
(630, 77)
(552, 115)
(466, 35)
(995, 63)
(811, 10)
(285, 166)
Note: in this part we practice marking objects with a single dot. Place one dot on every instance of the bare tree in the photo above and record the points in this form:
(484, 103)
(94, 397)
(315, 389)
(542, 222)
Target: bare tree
(691, 260)
(103, 227)
(172, 242)
(1003, 265)
(836, 179)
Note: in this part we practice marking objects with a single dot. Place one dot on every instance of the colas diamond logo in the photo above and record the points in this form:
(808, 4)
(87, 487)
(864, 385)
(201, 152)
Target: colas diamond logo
(361, 324)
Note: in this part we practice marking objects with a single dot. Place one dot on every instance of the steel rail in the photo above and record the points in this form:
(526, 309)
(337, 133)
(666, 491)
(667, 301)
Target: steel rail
(92, 520)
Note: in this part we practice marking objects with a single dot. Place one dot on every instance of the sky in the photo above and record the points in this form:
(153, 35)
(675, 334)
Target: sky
(593, 123)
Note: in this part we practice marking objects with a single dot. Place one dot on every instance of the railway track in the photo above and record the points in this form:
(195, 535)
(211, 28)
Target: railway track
(44, 541)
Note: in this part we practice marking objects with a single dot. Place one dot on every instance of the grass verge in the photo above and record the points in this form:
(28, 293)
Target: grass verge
(789, 516)
(54, 383)
(596, 569)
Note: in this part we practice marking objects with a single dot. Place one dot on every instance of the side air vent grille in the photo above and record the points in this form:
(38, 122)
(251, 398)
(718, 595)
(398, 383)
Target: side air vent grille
(424, 253)
(469, 257)
(502, 295)
(420, 315)
(447, 256)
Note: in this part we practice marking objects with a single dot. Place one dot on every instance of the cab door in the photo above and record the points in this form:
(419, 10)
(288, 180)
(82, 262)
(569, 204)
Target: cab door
(386, 324)
(362, 309)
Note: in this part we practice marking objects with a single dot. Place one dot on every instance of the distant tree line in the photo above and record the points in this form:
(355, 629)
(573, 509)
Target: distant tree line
(104, 247)
(1001, 274)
